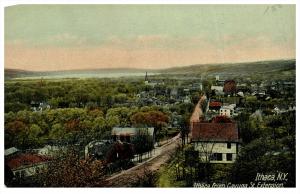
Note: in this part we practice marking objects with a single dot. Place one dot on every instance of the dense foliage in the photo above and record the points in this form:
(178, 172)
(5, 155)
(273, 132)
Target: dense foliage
(69, 93)
(271, 149)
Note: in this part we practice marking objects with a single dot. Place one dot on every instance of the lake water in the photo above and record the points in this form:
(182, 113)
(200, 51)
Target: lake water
(87, 75)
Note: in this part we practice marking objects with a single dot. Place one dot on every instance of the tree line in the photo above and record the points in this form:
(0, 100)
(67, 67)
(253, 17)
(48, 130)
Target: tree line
(28, 129)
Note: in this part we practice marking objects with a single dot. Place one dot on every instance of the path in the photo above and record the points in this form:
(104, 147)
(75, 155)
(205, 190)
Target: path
(161, 156)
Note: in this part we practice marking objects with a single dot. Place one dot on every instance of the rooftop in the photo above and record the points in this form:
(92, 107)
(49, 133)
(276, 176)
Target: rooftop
(215, 104)
(130, 130)
(214, 131)
(26, 159)
(10, 151)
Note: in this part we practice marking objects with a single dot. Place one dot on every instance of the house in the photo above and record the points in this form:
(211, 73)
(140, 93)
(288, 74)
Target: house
(152, 84)
(174, 92)
(279, 109)
(228, 110)
(148, 83)
(186, 90)
(175, 118)
(27, 164)
(11, 151)
(197, 86)
(240, 93)
(186, 99)
(215, 105)
(218, 81)
(50, 150)
(97, 149)
(39, 106)
(217, 89)
(215, 142)
(127, 134)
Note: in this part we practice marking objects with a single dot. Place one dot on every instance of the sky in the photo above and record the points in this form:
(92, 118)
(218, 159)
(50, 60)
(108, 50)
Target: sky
(64, 37)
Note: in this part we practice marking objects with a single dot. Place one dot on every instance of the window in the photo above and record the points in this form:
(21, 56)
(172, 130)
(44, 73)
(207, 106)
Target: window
(216, 157)
(228, 145)
(229, 157)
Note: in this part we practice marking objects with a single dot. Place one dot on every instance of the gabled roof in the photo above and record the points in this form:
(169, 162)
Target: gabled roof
(215, 104)
(130, 130)
(214, 131)
(25, 160)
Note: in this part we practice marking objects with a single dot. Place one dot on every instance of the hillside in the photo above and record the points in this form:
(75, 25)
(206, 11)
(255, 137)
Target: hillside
(278, 67)
(236, 68)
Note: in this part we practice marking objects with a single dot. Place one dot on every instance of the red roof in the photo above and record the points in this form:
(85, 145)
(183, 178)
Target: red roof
(215, 104)
(25, 159)
(214, 131)
(221, 119)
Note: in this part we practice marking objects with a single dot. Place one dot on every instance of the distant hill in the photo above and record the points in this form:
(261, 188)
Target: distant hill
(229, 69)
(16, 73)
(236, 68)
(13, 73)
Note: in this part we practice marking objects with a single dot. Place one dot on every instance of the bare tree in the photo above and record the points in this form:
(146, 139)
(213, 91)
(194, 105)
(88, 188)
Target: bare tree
(71, 171)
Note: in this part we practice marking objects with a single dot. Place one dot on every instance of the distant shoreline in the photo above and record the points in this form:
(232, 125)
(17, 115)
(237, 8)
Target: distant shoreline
(83, 75)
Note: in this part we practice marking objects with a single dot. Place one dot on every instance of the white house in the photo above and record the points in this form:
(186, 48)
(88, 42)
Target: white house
(49, 150)
(241, 94)
(216, 142)
(186, 99)
(218, 89)
(228, 110)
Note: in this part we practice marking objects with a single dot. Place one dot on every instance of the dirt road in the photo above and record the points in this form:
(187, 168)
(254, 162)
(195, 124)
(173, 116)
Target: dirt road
(128, 177)
(198, 113)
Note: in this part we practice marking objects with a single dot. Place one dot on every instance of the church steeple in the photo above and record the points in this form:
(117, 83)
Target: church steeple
(146, 77)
